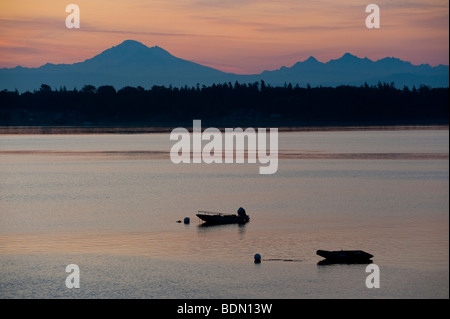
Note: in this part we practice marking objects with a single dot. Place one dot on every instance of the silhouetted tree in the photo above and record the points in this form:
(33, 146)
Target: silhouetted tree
(250, 103)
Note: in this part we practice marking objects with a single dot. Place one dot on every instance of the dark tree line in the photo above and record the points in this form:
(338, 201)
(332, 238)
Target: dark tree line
(249, 104)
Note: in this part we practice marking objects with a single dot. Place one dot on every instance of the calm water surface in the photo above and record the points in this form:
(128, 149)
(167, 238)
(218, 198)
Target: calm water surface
(110, 204)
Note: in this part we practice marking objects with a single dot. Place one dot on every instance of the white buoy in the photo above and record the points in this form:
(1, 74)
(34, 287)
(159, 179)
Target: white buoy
(257, 258)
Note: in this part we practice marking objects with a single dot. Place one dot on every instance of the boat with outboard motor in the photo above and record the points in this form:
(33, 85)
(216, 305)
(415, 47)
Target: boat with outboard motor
(219, 218)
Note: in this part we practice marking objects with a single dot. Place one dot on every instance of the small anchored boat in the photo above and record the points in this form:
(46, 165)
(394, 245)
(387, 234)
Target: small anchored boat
(345, 257)
(218, 218)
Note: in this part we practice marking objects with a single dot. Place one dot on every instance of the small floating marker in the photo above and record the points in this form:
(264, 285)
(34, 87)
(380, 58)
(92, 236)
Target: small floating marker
(257, 258)
(178, 221)
(187, 220)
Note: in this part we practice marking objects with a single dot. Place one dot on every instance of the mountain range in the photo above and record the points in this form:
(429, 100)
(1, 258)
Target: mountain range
(132, 63)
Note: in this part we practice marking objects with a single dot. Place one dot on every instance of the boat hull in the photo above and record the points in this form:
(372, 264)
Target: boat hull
(218, 219)
(345, 257)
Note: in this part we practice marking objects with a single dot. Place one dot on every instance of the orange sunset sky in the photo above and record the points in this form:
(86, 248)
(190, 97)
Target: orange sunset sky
(240, 36)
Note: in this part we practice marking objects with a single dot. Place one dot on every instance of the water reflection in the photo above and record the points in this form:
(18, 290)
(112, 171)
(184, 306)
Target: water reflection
(112, 198)
(326, 262)
(206, 227)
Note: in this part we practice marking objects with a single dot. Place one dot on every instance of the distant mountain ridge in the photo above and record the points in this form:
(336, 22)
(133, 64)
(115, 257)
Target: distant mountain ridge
(132, 63)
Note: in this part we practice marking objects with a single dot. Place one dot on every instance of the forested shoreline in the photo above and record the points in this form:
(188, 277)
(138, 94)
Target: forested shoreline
(250, 104)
